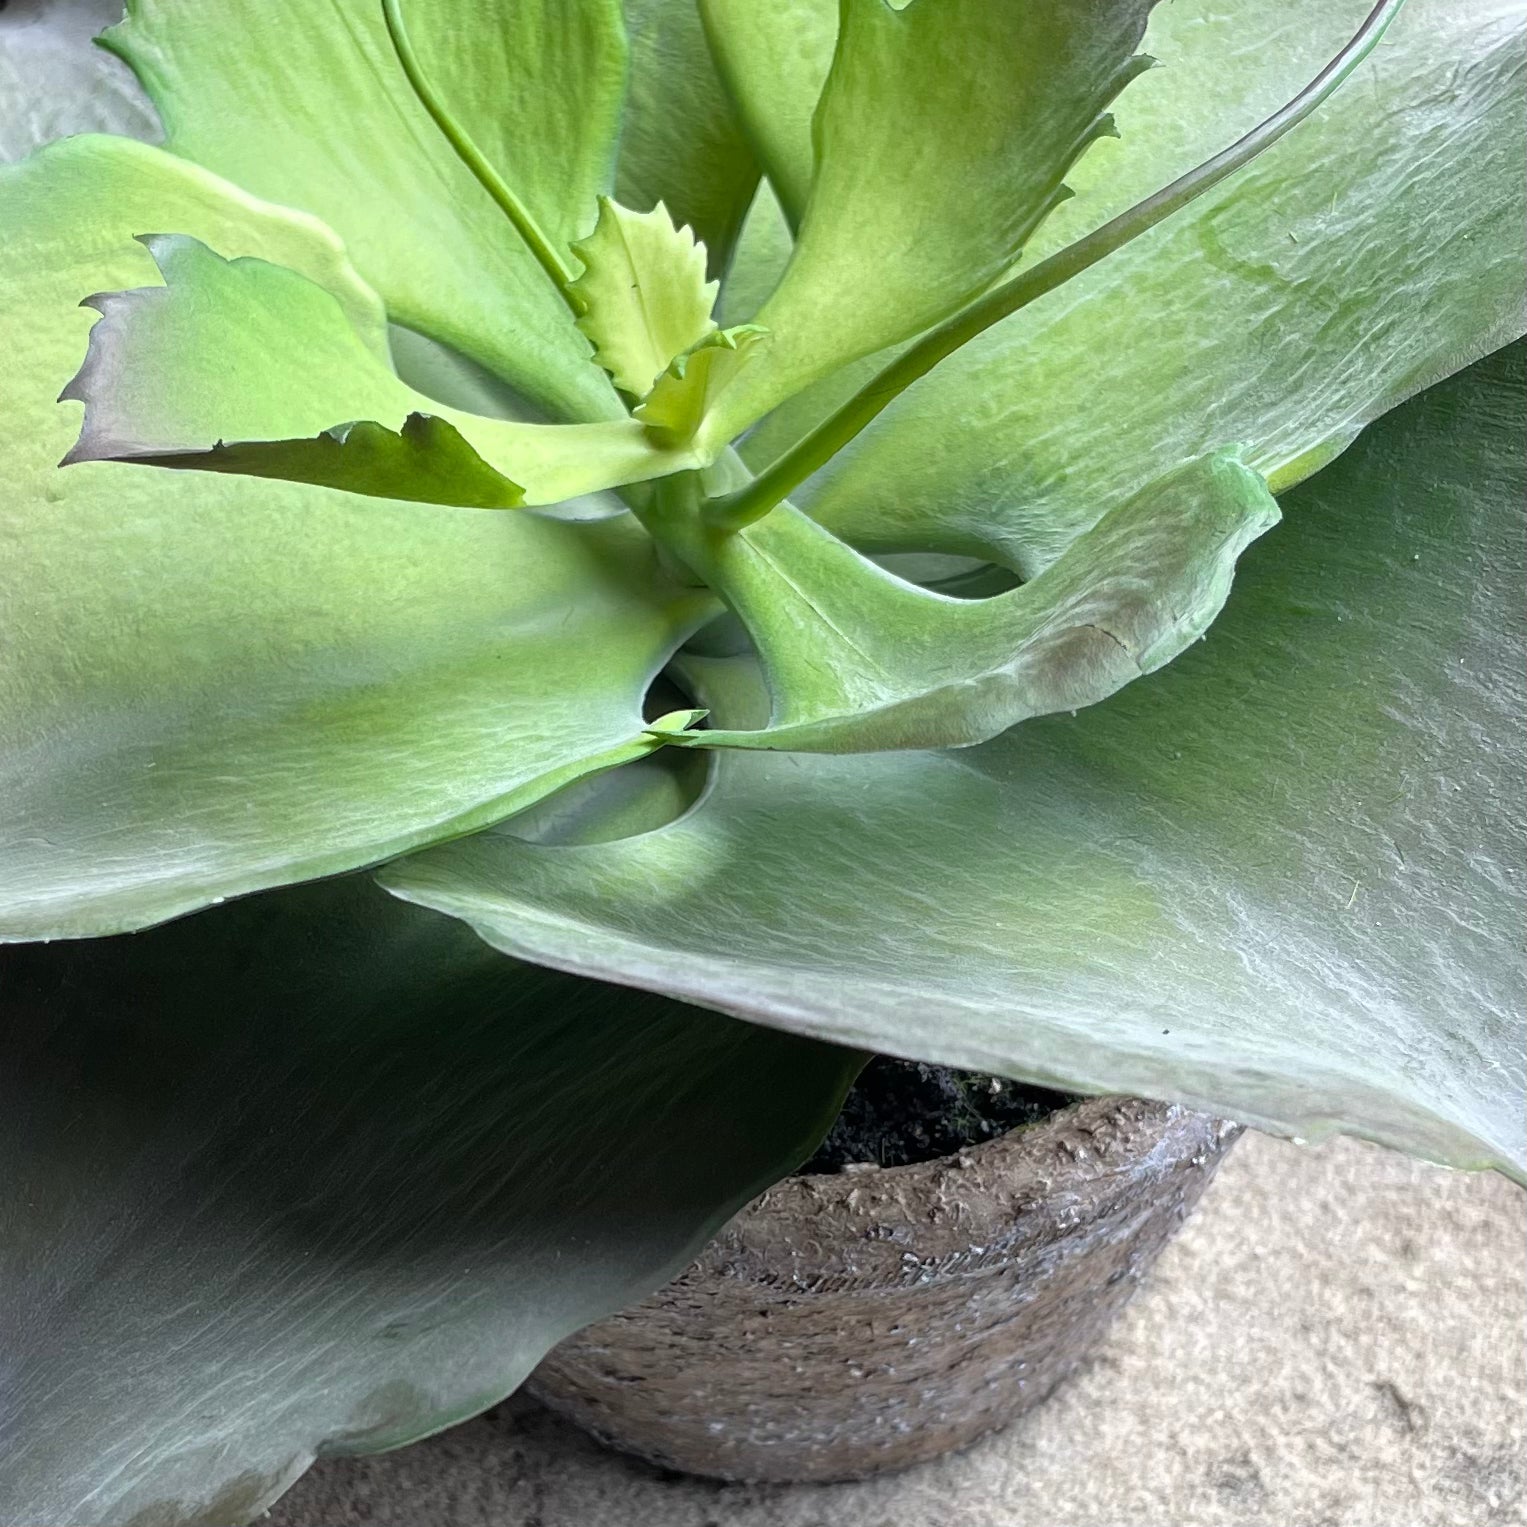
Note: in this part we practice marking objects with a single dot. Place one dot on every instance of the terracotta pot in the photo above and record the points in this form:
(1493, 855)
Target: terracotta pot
(848, 1325)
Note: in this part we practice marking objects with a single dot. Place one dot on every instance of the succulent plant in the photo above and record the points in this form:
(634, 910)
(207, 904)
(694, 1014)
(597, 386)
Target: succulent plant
(649, 550)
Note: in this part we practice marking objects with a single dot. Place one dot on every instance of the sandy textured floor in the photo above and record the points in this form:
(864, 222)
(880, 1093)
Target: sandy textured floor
(1336, 1340)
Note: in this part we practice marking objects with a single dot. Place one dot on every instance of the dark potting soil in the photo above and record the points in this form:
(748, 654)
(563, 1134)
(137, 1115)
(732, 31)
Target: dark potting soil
(903, 1111)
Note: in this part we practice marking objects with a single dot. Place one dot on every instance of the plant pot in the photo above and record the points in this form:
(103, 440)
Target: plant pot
(848, 1325)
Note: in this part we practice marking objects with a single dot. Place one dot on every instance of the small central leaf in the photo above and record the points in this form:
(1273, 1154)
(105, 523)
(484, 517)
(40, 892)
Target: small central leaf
(680, 399)
(644, 293)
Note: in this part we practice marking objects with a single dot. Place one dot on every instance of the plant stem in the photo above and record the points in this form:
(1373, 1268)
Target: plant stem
(735, 510)
(475, 160)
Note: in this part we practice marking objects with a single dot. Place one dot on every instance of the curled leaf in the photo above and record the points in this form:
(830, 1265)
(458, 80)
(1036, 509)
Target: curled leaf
(676, 409)
(858, 660)
(308, 106)
(214, 684)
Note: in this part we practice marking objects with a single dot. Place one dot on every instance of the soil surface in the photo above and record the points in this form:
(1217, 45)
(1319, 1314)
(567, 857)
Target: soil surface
(903, 1111)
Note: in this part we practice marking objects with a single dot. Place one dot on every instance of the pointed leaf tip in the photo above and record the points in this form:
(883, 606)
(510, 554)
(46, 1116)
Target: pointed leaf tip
(676, 722)
(426, 461)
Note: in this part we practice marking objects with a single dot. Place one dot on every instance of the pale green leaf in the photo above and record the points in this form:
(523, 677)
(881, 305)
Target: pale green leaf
(680, 140)
(248, 351)
(213, 684)
(643, 293)
(763, 248)
(449, 377)
(1281, 880)
(858, 660)
(54, 81)
(774, 59)
(679, 404)
(941, 141)
(307, 105)
(322, 1172)
(1374, 250)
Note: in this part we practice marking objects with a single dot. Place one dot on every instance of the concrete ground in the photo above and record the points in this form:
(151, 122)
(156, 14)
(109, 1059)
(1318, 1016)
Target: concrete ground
(1336, 1340)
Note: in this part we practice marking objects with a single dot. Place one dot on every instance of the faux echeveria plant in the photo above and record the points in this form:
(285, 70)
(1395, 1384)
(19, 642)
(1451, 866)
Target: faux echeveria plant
(459, 378)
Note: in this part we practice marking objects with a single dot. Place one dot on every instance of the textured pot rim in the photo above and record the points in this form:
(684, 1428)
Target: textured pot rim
(982, 1207)
(849, 1325)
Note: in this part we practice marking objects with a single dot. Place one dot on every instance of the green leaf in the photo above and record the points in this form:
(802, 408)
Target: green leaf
(1280, 880)
(859, 660)
(774, 59)
(680, 140)
(903, 228)
(763, 250)
(319, 1171)
(213, 684)
(643, 291)
(54, 81)
(424, 461)
(307, 105)
(681, 400)
(1370, 253)
(248, 351)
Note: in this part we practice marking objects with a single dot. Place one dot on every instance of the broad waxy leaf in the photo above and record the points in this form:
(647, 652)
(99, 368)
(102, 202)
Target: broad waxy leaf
(763, 248)
(774, 59)
(680, 140)
(213, 684)
(859, 660)
(307, 105)
(941, 140)
(321, 1171)
(324, 1170)
(644, 293)
(54, 81)
(1374, 250)
(247, 351)
(1281, 880)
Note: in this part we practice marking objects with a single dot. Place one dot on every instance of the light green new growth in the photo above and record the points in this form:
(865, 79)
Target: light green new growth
(643, 294)
(680, 399)
(474, 159)
(675, 722)
(755, 500)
